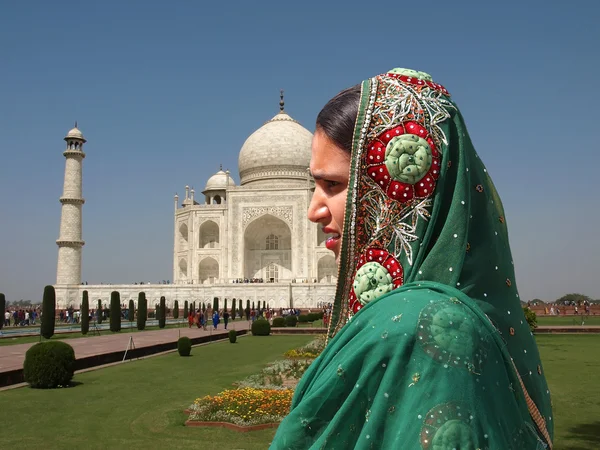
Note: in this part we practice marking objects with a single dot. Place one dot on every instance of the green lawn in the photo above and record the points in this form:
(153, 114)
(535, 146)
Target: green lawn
(138, 405)
(568, 320)
(572, 366)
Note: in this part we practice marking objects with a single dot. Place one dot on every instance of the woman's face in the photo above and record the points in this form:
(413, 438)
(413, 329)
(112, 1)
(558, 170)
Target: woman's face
(330, 167)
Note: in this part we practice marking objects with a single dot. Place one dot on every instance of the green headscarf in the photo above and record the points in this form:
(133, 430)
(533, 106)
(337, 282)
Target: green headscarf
(431, 347)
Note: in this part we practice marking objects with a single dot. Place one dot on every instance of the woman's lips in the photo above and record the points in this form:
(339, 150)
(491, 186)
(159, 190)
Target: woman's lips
(332, 242)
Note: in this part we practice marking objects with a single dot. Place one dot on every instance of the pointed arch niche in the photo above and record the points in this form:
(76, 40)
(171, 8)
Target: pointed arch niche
(268, 249)
(208, 271)
(327, 270)
(209, 235)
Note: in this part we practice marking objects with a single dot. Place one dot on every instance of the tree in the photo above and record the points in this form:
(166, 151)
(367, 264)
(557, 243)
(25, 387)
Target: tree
(115, 311)
(264, 304)
(176, 310)
(233, 309)
(240, 307)
(225, 306)
(162, 313)
(131, 311)
(247, 310)
(99, 312)
(216, 304)
(575, 298)
(48, 312)
(85, 313)
(142, 311)
(203, 307)
(2, 309)
(185, 309)
(253, 308)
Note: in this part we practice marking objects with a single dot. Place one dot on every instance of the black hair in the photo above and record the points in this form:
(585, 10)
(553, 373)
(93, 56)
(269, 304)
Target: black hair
(338, 116)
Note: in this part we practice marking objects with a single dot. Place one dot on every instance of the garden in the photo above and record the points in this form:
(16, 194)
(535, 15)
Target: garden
(141, 404)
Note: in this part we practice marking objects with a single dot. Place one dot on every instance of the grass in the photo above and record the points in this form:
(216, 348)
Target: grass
(138, 405)
(568, 320)
(572, 365)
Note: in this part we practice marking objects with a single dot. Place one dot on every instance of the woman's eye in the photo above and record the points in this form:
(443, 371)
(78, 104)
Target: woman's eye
(332, 183)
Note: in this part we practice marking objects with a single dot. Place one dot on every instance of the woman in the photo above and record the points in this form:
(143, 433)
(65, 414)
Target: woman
(428, 345)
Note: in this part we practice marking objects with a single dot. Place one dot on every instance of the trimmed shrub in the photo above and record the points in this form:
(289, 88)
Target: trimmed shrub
(142, 311)
(176, 310)
(247, 311)
(115, 311)
(49, 364)
(264, 304)
(232, 336)
(85, 313)
(233, 309)
(48, 312)
(131, 311)
(225, 306)
(216, 304)
(99, 312)
(186, 310)
(303, 318)
(531, 318)
(291, 321)
(261, 327)
(319, 315)
(253, 307)
(240, 308)
(2, 309)
(162, 313)
(184, 346)
(279, 322)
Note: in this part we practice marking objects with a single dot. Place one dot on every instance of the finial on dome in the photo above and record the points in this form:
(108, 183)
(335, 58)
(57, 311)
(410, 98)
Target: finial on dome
(75, 124)
(220, 166)
(281, 102)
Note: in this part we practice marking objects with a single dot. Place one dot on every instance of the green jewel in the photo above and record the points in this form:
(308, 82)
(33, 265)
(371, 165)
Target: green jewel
(408, 158)
(372, 281)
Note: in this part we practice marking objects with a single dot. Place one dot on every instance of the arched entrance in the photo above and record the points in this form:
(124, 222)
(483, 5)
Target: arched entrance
(208, 271)
(209, 235)
(268, 250)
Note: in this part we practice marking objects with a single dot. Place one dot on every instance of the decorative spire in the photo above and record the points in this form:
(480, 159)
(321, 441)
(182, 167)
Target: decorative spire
(281, 102)
(220, 166)
(75, 124)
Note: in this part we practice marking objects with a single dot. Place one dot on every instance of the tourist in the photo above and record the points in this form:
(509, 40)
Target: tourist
(7, 318)
(215, 319)
(225, 318)
(428, 344)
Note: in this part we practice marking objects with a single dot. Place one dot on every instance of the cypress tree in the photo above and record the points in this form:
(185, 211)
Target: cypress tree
(225, 306)
(186, 311)
(142, 311)
(162, 313)
(85, 313)
(2, 309)
(99, 311)
(203, 307)
(247, 310)
(216, 304)
(233, 309)
(241, 308)
(131, 311)
(176, 310)
(115, 311)
(264, 304)
(253, 308)
(49, 312)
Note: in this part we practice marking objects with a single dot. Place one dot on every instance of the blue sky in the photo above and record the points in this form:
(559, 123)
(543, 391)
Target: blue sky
(166, 91)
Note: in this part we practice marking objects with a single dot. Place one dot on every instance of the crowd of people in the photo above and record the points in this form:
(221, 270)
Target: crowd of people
(21, 317)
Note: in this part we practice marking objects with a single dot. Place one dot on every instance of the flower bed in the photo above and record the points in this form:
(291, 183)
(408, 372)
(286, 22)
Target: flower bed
(283, 374)
(243, 407)
(308, 351)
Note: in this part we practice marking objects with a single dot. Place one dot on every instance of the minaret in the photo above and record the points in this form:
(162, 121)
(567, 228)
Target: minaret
(68, 270)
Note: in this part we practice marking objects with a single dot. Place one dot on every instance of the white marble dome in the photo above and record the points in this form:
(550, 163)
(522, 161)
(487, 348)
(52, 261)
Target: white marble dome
(75, 133)
(219, 181)
(279, 150)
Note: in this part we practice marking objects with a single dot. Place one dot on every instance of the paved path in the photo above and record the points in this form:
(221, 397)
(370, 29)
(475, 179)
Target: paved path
(13, 356)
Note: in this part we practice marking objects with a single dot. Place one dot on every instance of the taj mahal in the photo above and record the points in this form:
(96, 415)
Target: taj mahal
(250, 241)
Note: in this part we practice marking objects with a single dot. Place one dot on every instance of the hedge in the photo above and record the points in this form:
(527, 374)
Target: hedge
(49, 364)
(85, 313)
(142, 311)
(232, 336)
(184, 346)
(291, 321)
(279, 322)
(261, 327)
(48, 312)
(303, 318)
(115, 311)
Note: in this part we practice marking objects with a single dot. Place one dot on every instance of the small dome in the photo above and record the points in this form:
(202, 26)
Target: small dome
(280, 149)
(219, 181)
(75, 133)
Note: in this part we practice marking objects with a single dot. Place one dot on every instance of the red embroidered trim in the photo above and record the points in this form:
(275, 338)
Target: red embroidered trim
(377, 170)
(384, 258)
(418, 82)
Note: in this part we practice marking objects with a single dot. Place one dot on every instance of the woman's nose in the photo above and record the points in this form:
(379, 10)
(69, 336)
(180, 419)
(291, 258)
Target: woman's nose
(317, 210)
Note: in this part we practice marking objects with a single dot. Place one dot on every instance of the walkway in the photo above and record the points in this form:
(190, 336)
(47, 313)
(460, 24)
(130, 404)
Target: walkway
(13, 356)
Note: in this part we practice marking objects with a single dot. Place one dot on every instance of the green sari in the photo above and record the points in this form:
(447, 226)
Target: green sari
(429, 347)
